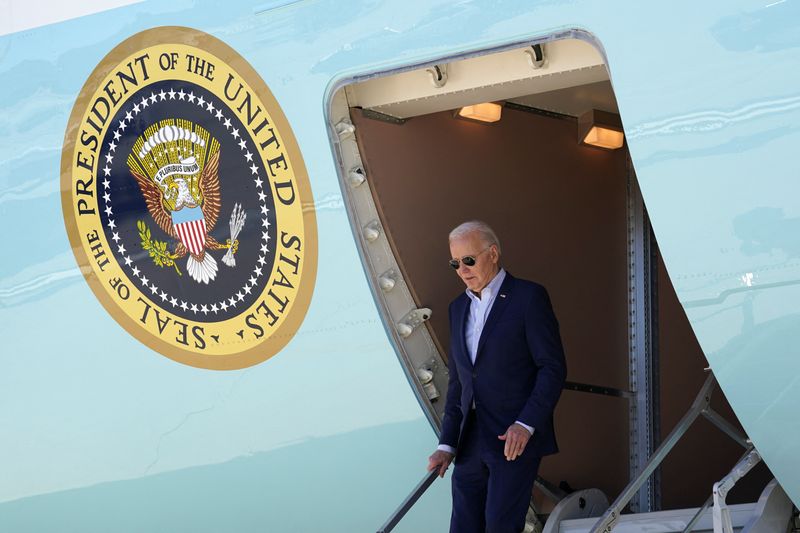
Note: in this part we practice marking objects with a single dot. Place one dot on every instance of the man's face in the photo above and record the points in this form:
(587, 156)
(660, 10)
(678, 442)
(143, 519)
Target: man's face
(486, 257)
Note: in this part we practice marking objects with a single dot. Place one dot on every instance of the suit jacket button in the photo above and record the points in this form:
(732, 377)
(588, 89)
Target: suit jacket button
(474, 374)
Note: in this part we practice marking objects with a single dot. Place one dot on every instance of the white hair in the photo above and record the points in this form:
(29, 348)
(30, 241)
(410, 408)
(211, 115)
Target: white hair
(484, 231)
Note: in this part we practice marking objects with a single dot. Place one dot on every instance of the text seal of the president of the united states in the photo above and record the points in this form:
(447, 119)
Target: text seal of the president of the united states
(183, 192)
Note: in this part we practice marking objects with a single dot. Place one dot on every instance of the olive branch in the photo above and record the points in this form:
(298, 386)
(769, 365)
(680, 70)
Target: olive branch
(156, 249)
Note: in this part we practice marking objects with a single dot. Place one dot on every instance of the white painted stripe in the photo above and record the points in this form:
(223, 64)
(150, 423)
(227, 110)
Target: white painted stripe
(20, 16)
(185, 238)
(181, 234)
(187, 228)
(197, 236)
(193, 235)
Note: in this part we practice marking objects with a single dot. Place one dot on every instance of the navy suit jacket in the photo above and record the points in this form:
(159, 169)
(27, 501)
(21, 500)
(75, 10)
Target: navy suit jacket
(519, 368)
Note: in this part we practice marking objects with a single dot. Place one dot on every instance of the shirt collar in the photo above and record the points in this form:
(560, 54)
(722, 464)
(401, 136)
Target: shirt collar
(491, 288)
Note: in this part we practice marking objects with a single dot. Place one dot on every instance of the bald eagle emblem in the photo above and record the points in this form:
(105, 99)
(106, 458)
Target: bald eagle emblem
(176, 165)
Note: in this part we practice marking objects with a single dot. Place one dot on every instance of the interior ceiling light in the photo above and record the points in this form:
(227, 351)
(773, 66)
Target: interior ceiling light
(486, 112)
(601, 129)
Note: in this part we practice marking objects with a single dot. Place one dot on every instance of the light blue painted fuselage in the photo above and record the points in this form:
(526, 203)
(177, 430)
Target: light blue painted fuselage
(99, 433)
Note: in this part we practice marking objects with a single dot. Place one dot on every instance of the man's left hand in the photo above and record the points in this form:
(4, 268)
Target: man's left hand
(516, 438)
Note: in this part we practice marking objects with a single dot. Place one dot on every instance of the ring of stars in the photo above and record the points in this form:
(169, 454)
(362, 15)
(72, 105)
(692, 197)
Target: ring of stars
(156, 292)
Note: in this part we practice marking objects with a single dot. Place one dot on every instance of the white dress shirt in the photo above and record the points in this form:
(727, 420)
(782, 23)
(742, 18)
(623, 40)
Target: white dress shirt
(479, 310)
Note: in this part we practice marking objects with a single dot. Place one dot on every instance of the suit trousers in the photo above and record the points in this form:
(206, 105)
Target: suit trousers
(490, 494)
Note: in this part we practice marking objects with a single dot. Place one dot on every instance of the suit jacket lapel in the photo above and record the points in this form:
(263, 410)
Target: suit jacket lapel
(462, 327)
(498, 307)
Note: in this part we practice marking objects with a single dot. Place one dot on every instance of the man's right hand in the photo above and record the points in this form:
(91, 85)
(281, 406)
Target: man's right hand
(440, 460)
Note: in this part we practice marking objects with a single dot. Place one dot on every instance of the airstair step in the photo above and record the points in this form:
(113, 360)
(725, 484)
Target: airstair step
(673, 521)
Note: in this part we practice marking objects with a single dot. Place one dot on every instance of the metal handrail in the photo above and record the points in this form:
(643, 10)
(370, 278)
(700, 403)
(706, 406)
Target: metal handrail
(700, 407)
(607, 522)
(696, 518)
(549, 490)
(409, 502)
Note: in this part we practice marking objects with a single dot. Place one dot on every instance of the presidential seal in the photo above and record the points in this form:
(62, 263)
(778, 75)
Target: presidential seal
(183, 192)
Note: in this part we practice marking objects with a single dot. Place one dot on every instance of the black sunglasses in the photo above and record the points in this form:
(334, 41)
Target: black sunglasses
(468, 260)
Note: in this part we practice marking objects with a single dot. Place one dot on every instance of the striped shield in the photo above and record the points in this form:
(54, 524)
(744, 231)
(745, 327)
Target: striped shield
(190, 225)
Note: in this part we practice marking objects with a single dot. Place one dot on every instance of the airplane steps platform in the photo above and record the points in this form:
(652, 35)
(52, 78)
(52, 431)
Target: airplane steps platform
(674, 521)
(581, 512)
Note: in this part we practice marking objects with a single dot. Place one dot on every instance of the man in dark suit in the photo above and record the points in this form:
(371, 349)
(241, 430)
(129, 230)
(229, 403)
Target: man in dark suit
(507, 370)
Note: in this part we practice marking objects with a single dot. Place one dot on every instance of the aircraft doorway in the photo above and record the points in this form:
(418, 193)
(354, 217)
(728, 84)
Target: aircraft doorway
(569, 216)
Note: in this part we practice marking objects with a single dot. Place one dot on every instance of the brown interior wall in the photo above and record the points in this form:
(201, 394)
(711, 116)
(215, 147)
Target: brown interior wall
(560, 212)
